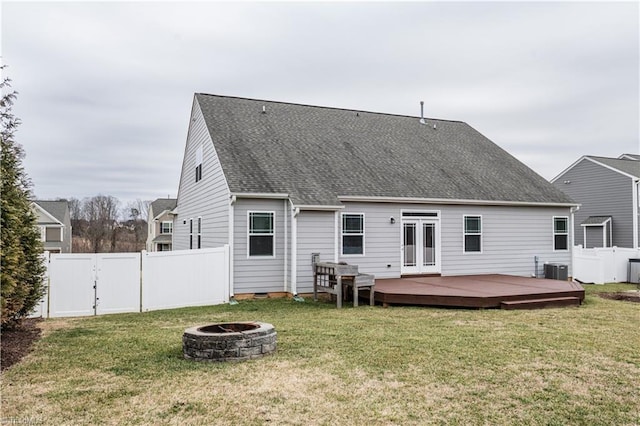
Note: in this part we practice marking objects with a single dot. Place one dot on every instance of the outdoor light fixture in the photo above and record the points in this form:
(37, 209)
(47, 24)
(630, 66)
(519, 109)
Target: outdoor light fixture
(392, 220)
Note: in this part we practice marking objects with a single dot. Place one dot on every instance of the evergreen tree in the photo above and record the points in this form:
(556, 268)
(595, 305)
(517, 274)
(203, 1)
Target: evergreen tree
(22, 269)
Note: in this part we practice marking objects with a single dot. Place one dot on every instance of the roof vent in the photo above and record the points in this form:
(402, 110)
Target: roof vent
(264, 109)
(422, 121)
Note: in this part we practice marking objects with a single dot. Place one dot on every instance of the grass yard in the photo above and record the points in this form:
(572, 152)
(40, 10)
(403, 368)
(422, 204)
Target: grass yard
(365, 365)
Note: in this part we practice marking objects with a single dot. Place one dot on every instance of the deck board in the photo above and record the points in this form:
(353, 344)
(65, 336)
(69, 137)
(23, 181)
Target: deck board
(472, 291)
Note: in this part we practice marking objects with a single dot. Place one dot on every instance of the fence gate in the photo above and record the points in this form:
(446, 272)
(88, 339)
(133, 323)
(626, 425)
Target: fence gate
(93, 284)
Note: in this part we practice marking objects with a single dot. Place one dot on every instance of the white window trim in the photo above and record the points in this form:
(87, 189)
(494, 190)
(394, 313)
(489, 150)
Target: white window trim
(553, 234)
(465, 233)
(273, 234)
(164, 222)
(44, 233)
(427, 214)
(342, 234)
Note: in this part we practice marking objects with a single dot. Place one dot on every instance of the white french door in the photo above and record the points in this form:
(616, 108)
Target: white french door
(420, 246)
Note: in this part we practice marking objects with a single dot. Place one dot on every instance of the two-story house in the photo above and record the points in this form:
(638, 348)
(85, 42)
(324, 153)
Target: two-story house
(160, 223)
(608, 192)
(54, 221)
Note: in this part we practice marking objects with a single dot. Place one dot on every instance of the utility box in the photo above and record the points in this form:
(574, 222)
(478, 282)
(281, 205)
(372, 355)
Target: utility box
(633, 274)
(556, 271)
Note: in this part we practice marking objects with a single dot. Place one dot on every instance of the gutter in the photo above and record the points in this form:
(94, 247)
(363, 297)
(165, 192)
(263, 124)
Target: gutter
(368, 199)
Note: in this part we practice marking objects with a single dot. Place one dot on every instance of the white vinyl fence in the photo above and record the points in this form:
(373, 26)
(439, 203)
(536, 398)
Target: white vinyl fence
(602, 265)
(174, 279)
(104, 283)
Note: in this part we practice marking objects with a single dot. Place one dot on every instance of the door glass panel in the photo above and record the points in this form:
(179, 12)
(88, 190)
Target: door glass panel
(428, 240)
(409, 241)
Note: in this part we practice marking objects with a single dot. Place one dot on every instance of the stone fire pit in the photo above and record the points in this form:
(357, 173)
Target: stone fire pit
(236, 341)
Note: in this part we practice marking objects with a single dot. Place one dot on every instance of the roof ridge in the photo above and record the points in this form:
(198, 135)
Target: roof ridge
(328, 107)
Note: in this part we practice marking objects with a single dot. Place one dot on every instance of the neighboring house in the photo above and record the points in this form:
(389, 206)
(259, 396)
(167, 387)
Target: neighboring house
(160, 222)
(54, 221)
(396, 195)
(607, 190)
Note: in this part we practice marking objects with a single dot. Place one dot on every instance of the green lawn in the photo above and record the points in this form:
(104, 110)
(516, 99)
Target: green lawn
(365, 365)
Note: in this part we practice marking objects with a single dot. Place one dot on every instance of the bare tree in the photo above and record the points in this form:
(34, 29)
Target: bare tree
(137, 210)
(101, 214)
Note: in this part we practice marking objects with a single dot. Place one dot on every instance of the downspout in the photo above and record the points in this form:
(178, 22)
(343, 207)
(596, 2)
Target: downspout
(286, 247)
(573, 237)
(336, 236)
(572, 227)
(636, 189)
(232, 201)
(294, 251)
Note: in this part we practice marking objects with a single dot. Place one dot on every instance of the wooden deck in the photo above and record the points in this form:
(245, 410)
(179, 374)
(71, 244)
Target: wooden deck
(479, 291)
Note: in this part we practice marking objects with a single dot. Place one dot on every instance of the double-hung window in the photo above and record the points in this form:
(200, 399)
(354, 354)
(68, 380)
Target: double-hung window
(352, 233)
(199, 232)
(561, 233)
(261, 234)
(473, 234)
(166, 227)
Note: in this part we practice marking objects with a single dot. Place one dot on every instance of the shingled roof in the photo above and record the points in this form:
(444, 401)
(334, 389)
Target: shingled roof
(317, 154)
(631, 167)
(162, 204)
(57, 209)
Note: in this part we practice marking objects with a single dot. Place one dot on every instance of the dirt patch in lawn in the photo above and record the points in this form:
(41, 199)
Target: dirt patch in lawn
(628, 296)
(16, 342)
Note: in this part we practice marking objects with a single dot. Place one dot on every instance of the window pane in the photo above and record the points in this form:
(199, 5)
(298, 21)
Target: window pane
(561, 242)
(409, 244)
(54, 234)
(560, 225)
(472, 243)
(261, 223)
(352, 244)
(352, 224)
(261, 245)
(472, 224)
(199, 225)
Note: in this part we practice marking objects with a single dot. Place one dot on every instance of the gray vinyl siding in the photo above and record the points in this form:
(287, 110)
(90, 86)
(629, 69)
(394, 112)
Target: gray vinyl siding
(208, 198)
(257, 274)
(511, 238)
(594, 236)
(601, 192)
(315, 235)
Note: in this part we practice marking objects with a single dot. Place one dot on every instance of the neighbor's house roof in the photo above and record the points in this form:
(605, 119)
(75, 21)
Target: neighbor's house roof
(317, 155)
(630, 157)
(630, 167)
(57, 209)
(161, 204)
(162, 238)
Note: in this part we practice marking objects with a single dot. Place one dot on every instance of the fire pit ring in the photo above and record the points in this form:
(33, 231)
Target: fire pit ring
(235, 341)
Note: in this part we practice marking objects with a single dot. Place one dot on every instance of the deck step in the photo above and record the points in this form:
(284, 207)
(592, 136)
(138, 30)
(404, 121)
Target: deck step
(541, 303)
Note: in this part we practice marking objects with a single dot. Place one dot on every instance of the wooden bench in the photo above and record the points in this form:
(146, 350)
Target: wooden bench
(331, 277)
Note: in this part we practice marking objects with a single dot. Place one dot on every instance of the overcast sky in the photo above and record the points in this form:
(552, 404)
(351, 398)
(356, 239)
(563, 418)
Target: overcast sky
(105, 89)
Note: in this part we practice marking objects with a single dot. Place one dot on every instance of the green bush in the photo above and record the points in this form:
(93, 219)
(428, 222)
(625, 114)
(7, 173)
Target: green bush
(22, 269)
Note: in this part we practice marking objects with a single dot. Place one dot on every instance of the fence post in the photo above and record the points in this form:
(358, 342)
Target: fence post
(143, 263)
